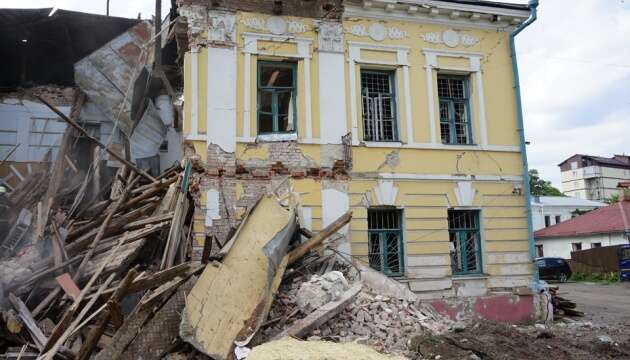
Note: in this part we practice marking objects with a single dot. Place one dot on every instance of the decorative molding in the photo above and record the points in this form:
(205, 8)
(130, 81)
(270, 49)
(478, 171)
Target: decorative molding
(377, 32)
(450, 38)
(330, 36)
(221, 27)
(385, 193)
(465, 193)
(276, 25)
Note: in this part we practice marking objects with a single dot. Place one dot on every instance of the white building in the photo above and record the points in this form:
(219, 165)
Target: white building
(593, 177)
(551, 210)
(604, 226)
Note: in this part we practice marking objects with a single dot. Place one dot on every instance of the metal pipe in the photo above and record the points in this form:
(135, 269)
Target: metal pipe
(533, 5)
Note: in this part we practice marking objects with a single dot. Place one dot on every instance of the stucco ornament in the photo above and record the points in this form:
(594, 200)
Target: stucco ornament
(450, 38)
(276, 25)
(377, 32)
(221, 27)
(330, 36)
(385, 193)
(465, 193)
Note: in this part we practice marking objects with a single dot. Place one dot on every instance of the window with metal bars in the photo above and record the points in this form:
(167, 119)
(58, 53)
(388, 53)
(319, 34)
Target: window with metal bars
(379, 105)
(463, 229)
(455, 125)
(277, 92)
(385, 241)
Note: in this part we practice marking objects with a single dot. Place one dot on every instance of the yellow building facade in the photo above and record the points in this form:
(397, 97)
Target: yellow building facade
(403, 113)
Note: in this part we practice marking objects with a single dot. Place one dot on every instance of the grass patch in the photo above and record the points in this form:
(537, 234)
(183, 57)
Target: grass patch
(603, 278)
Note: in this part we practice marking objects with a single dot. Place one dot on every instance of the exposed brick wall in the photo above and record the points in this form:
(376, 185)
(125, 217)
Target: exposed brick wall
(330, 9)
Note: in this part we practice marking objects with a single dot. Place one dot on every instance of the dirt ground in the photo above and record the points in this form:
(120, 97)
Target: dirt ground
(605, 304)
(603, 333)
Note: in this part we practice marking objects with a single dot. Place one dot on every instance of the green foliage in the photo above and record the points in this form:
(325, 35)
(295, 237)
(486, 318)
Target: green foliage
(578, 276)
(540, 187)
(614, 198)
(604, 278)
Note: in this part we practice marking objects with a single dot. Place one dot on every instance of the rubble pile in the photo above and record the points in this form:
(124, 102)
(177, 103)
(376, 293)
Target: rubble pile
(384, 323)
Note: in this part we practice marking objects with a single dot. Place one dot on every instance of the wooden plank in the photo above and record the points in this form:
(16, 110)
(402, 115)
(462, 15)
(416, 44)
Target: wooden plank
(69, 330)
(97, 331)
(27, 318)
(68, 285)
(319, 237)
(320, 316)
(71, 164)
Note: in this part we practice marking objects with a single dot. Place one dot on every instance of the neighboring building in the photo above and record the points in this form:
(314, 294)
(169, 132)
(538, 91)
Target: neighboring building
(605, 226)
(593, 177)
(551, 210)
(402, 112)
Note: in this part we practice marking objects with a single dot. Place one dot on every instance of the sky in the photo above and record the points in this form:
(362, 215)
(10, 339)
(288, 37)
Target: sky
(574, 64)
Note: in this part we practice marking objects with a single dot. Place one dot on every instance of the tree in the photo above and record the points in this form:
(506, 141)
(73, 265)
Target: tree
(614, 198)
(540, 187)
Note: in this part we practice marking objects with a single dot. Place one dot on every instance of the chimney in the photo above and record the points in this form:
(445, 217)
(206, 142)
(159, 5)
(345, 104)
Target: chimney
(624, 190)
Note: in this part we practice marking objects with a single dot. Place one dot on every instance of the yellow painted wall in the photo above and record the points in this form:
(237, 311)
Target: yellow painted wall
(425, 202)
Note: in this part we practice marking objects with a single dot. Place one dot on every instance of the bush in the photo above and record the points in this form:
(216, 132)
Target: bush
(578, 276)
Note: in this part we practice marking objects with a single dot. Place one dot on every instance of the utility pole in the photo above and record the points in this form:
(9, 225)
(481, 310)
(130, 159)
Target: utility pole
(107, 9)
(157, 61)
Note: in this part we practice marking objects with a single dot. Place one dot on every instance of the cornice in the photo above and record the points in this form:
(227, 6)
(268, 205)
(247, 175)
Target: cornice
(438, 12)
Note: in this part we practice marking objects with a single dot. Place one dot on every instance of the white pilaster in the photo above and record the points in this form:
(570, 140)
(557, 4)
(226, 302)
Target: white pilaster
(475, 65)
(194, 103)
(355, 54)
(431, 62)
(221, 119)
(247, 73)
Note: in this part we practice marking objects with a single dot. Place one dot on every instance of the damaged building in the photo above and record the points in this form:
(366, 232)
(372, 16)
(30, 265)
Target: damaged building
(404, 113)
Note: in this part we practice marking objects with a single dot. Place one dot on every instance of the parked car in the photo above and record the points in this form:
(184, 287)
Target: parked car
(553, 268)
(624, 263)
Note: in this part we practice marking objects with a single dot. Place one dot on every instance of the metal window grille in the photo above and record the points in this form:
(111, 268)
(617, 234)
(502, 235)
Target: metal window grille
(379, 106)
(385, 236)
(455, 126)
(277, 93)
(463, 228)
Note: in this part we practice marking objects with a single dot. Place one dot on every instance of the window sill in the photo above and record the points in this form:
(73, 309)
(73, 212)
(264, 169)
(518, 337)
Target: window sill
(393, 144)
(471, 276)
(279, 137)
(453, 144)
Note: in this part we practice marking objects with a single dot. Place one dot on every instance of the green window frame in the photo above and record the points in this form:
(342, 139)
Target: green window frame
(465, 241)
(385, 241)
(378, 98)
(271, 110)
(455, 114)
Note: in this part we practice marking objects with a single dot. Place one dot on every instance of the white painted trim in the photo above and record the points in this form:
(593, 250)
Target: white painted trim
(354, 54)
(399, 145)
(446, 177)
(333, 116)
(247, 67)
(221, 97)
(194, 101)
(474, 69)
(303, 52)
(407, 92)
(381, 47)
(307, 90)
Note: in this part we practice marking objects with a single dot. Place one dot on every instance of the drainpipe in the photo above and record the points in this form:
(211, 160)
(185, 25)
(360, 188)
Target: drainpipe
(533, 5)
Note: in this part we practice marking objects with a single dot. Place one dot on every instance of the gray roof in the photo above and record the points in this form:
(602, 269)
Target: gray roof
(565, 201)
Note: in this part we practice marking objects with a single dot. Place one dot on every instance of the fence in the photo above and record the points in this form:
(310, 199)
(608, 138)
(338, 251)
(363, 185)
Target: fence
(600, 260)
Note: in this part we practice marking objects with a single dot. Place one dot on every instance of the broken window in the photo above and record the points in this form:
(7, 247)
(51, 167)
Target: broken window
(576, 246)
(465, 241)
(379, 105)
(276, 97)
(455, 127)
(385, 238)
(547, 220)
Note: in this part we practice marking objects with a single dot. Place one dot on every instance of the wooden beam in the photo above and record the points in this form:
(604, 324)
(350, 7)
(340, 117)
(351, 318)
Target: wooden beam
(98, 143)
(319, 237)
(27, 318)
(317, 318)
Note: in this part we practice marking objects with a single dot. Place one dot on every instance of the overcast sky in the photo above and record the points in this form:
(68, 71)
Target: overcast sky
(574, 66)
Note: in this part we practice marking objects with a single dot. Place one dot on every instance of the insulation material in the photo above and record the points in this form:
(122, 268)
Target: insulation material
(288, 348)
(232, 299)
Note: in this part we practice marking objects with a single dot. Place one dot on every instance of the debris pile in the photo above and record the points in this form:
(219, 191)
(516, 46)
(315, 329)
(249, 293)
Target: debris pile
(562, 307)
